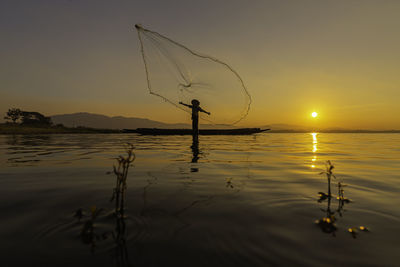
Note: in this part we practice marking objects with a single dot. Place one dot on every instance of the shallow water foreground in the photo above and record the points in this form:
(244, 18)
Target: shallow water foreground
(231, 201)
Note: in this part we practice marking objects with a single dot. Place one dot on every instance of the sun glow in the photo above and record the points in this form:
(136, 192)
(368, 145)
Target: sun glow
(314, 114)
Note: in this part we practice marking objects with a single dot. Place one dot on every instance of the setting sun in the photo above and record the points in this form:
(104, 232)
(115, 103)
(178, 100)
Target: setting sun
(314, 114)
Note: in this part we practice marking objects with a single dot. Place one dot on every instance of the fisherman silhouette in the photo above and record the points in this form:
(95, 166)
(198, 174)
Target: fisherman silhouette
(195, 106)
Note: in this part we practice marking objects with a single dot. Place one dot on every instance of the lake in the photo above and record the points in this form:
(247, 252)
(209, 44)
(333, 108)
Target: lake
(230, 201)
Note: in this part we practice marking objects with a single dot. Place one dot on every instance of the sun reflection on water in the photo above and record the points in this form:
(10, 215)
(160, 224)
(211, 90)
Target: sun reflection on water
(314, 149)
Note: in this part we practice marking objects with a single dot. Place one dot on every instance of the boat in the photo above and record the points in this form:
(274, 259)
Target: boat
(157, 131)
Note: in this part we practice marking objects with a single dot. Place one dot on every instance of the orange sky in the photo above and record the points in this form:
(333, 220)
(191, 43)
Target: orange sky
(338, 58)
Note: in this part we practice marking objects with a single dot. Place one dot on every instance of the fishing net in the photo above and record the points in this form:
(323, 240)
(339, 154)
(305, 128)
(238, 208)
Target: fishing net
(176, 74)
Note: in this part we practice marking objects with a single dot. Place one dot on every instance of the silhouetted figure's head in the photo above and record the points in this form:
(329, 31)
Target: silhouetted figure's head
(195, 102)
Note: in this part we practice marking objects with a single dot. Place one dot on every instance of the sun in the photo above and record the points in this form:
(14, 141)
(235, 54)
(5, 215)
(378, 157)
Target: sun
(314, 114)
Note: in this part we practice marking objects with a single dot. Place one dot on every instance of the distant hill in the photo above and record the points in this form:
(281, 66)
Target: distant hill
(279, 127)
(106, 122)
(290, 128)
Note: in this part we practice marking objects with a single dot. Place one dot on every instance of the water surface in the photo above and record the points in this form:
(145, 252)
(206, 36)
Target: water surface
(231, 201)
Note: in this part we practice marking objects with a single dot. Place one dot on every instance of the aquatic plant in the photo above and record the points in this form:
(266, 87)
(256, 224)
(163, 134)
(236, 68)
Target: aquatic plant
(329, 174)
(327, 223)
(353, 232)
(229, 183)
(88, 234)
(121, 172)
(341, 196)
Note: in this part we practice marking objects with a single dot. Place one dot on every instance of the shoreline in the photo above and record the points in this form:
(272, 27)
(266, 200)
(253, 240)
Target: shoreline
(11, 129)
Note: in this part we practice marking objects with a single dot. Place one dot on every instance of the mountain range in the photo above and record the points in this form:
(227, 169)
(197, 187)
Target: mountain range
(118, 122)
(105, 122)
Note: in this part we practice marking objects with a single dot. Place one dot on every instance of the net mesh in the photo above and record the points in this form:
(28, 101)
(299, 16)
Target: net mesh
(176, 74)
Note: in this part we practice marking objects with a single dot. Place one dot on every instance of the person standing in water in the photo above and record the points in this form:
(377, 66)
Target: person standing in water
(195, 106)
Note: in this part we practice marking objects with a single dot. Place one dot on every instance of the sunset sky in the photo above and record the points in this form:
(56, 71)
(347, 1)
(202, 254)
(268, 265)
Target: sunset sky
(340, 59)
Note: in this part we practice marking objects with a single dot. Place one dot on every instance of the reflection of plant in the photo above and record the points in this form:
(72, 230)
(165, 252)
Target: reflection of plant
(327, 224)
(88, 236)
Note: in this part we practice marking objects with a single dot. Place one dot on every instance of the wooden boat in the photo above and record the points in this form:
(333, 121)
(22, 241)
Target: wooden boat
(157, 131)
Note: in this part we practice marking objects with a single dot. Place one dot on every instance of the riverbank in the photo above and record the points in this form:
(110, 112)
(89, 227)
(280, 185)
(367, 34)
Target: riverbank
(10, 128)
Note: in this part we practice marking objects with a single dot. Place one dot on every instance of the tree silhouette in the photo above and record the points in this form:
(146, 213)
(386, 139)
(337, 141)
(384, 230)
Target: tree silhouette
(13, 114)
(34, 118)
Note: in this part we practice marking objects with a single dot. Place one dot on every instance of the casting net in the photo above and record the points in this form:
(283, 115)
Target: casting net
(176, 74)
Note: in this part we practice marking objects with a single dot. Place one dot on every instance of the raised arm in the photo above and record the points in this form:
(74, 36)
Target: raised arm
(202, 110)
(189, 106)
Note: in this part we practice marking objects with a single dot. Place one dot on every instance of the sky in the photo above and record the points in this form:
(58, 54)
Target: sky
(338, 58)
